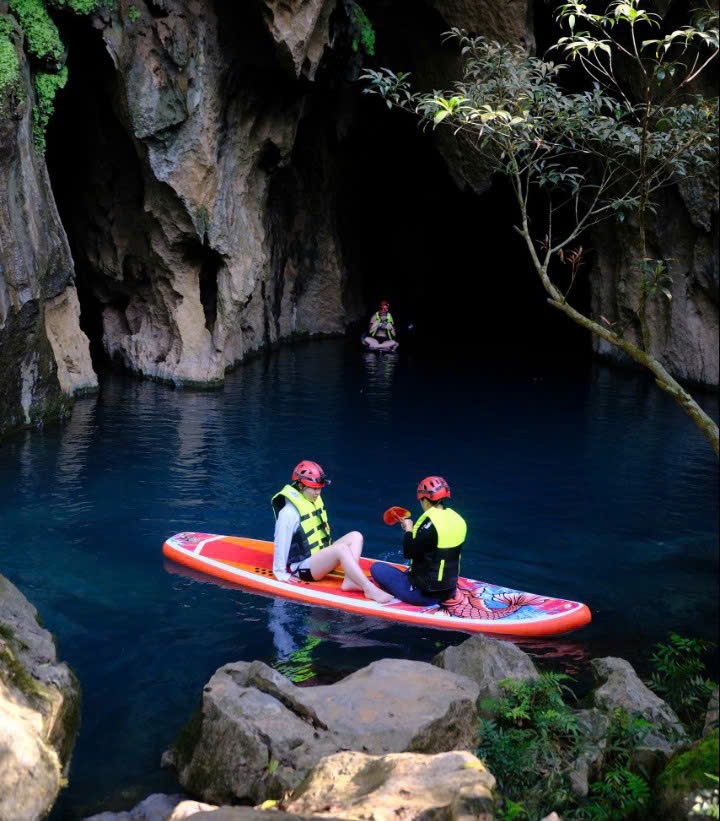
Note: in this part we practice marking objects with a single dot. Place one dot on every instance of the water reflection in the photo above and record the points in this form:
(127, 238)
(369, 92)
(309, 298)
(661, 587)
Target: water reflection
(599, 490)
(71, 489)
(379, 379)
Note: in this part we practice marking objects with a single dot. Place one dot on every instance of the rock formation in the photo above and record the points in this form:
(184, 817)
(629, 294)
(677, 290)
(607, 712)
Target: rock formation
(252, 715)
(200, 194)
(39, 711)
(44, 356)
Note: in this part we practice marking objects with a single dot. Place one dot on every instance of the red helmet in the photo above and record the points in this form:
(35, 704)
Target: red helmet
(310, 474)
(433, 488)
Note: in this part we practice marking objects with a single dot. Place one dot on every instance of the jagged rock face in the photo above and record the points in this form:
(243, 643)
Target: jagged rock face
(684, 330)
(205, 226)
(39, 711)
(44, 356)
(205, 242)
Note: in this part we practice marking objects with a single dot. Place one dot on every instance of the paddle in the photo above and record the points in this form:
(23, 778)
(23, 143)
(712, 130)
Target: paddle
(395, 514)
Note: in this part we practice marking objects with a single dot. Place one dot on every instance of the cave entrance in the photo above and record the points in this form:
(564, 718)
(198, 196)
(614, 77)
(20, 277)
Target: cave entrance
(96, 180)
(449, 260)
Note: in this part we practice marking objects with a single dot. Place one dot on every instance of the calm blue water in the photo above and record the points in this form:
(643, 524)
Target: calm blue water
(589, 485)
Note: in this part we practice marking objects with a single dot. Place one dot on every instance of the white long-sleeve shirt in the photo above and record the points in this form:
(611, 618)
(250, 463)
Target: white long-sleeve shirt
(288, 521)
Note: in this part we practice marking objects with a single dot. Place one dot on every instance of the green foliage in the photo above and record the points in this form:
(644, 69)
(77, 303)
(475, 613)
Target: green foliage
(696, 768)
(46, 51)
(76, 6)
(656, 279)
(46, 87)
(9, 63)
(12, 672)
(6, 632)
(625, 734)
(133, 14)
(363, 31)
(621, 794)
(679, 678)
(530, 743)
(41, 34)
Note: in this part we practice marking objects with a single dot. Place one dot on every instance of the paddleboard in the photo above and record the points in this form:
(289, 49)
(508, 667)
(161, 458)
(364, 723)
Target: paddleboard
(478, 607)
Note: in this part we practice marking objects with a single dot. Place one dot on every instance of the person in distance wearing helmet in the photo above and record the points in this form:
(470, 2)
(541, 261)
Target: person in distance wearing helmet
(302, 545)
(433, 544)
(381, 334)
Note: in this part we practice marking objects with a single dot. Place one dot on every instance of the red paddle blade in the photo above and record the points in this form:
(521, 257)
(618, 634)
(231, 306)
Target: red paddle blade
(395, 514)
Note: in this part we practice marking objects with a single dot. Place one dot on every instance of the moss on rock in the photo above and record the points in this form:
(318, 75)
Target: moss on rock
(687, 777)
(42, 37)
(688, 770)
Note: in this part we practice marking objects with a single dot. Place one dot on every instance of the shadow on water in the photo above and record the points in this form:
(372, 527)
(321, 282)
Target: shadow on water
(587, 484)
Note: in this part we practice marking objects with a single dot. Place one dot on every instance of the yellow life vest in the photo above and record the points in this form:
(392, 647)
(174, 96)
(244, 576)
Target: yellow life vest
(440, 569)
(314, 531)
(389, 328)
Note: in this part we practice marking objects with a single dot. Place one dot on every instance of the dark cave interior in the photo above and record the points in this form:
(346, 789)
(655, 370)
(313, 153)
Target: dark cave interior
(449, 261)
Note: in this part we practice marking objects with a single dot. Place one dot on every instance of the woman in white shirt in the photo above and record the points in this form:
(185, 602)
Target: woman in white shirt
(303, 547)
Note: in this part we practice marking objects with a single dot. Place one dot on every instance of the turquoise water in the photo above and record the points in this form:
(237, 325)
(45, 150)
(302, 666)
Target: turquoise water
(587, 484)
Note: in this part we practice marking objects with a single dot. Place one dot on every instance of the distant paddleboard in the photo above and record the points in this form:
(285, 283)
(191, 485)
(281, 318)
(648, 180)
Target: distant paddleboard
(478, 607)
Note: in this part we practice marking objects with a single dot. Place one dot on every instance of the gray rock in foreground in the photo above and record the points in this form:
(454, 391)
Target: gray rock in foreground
(620, 687)
(353, 785)
(39, 711)
(487, 661)
(257, 735)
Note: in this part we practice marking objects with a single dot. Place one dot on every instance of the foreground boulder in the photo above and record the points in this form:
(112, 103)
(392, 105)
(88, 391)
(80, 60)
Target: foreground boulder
(353, 785)
(257, 736)
(487, 662)
(157, 807)
(39, 711)
(620, 687)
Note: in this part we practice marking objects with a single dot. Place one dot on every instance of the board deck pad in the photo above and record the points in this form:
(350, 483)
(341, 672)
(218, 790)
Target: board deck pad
(478, 607)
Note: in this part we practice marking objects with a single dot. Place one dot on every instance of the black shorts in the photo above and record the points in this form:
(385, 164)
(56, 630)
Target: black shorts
(303, 573)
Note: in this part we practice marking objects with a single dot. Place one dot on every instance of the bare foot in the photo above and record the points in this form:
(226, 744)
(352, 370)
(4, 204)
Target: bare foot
(349, 585)
(378, 595)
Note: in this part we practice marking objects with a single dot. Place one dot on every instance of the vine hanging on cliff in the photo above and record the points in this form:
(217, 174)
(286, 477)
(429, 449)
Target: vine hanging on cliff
(46, 52)
(363, 33)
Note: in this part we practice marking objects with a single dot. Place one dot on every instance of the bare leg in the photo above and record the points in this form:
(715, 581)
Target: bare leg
(346, 552)
(371, 343)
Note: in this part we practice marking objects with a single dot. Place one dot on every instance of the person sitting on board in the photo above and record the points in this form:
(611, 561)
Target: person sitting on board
(303, 548)
(381, 334)
(433, 544)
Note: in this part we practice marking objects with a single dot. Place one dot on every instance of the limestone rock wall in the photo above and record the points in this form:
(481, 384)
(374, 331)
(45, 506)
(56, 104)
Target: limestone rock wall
(204, 225)
(211, 233)
(44, 356)
(684, 330)
(39, 711)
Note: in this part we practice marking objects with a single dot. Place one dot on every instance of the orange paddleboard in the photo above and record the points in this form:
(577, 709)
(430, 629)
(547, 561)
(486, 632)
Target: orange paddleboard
(478, 607)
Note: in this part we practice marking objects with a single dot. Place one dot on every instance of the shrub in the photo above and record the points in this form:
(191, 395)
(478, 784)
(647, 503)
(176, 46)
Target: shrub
(679, 678)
